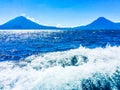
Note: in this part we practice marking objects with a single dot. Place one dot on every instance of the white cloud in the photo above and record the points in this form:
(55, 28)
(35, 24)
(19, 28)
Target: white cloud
(58, 25)
(23, 14)
(32, 19)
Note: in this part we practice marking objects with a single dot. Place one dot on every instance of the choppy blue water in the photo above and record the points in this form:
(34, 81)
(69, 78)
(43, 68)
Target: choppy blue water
(15, 45)
(60, 60)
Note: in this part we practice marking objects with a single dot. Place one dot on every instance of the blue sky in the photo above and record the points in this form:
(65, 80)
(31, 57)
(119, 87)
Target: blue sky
(60, 12)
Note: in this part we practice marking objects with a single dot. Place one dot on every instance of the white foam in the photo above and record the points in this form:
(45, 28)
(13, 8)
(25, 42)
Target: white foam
(56, 70)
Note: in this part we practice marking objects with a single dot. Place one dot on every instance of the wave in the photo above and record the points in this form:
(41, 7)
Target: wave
(75, 69)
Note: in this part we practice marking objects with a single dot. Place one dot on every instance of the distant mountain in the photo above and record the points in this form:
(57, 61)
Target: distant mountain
(100, 24)
(22, 22)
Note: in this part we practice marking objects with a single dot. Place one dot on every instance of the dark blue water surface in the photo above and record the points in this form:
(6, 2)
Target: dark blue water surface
(16, 45)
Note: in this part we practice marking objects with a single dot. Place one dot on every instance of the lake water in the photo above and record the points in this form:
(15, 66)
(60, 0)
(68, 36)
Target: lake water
(60, 60)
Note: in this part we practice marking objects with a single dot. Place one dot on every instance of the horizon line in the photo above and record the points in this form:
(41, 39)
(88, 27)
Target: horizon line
(58, 25)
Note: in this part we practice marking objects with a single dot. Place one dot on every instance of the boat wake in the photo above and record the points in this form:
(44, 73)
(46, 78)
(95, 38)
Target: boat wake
(75, 69)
